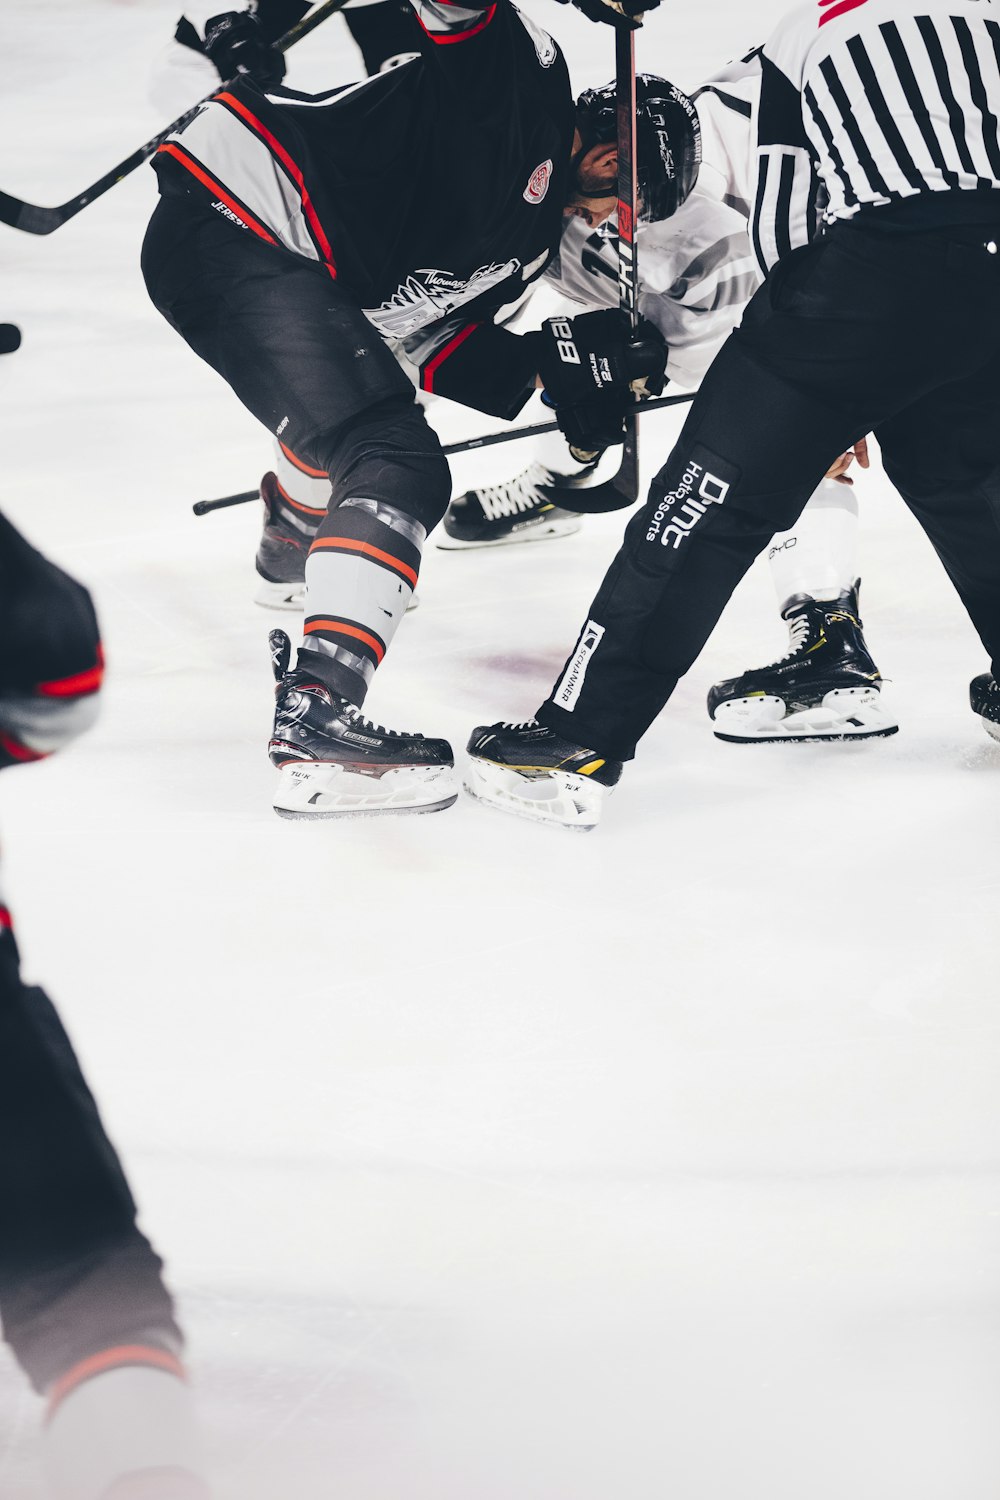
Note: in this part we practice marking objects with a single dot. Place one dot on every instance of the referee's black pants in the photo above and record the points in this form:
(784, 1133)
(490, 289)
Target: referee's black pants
(863, 331)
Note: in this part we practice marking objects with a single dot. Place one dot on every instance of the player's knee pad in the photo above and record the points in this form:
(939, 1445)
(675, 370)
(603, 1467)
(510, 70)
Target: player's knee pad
(389, 454)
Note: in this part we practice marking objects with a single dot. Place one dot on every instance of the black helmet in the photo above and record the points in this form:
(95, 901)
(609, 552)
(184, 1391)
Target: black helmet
(668, 140)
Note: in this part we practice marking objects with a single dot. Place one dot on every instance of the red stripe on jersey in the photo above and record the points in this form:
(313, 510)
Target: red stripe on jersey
(429, 370)
(458, 36)
(294, 171)
(299, 464)
(219, 191)
(351, 544)
(6, 920)
(20, 752)
(76, 685)
(337, 627)
(840, 9)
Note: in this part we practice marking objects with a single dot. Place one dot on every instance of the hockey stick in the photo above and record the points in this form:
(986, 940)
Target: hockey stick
(36, 220)
(626, 481)
(471, 445)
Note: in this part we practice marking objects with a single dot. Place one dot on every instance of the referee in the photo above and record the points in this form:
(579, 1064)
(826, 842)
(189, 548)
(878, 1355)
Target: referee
(878, 127)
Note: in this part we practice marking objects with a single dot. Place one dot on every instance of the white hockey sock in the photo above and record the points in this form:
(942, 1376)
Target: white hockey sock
(819, 555)
(123, 1432)
(307, 486)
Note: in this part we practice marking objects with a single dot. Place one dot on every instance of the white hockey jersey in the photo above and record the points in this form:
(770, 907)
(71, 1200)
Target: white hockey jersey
(697, 270)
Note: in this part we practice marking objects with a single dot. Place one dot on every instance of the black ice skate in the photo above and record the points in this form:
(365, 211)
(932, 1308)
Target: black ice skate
(984, 695)
(530, 508)
(282, 551)
(281, 554)
(826, 688)
(530, 770)
(333, 762)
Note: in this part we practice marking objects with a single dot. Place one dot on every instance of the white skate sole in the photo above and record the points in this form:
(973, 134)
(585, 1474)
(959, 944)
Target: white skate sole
(844, 714)
(533, 531)
(991, 727)
(293, 595)
(315, 789)
(543, 796)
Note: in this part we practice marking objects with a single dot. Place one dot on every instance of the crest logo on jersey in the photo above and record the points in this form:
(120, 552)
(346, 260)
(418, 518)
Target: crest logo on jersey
(538, 183)
(545, 47)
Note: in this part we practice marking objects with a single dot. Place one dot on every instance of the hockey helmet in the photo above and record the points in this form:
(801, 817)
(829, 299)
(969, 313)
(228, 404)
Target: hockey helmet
(667, 138)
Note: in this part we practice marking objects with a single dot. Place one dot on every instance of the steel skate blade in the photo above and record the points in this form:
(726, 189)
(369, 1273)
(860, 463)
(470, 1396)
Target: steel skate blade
(843, 714)
(991, 727)
(313, 789)
(557, 797)
(537, 531)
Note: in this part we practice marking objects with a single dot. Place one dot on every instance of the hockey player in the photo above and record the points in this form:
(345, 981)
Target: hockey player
(697, 272)
(882, 115)
(82, 1298)
(293, 234)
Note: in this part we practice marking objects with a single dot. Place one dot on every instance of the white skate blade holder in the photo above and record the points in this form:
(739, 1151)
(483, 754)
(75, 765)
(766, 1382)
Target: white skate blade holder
(558, 797)
(843, 714)
(317, 789)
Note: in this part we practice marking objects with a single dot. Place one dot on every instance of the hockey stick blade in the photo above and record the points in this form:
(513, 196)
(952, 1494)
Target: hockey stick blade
(622, 493)
(31, 218)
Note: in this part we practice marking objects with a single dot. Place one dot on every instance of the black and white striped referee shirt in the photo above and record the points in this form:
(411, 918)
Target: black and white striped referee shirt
(870, 102)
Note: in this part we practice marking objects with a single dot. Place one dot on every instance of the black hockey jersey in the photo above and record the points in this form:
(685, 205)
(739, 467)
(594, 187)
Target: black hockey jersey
(433, 192)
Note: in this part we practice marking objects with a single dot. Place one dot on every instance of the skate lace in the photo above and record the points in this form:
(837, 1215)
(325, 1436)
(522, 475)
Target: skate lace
(517, 494)
(356, 717)
(798, 634)
(524, 724)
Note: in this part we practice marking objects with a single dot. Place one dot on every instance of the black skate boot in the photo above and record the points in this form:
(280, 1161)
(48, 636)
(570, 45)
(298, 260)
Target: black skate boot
(281, 554)
(530, 508)
(984, 695)
(826, 688)
(530, 770)
(334, 762)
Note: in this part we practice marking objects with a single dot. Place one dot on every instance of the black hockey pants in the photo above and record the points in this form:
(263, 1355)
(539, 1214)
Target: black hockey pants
(76, 1275)
(300, 354)
(863, 331)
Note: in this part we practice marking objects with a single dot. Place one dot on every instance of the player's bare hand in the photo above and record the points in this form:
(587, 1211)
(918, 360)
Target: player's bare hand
(839, 469)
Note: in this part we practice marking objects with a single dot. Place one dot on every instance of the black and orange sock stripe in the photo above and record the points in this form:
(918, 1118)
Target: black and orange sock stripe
(300, 463)
(120, 1357)
(352, 531)
(353, 636)
(295, 507)
(356, 547)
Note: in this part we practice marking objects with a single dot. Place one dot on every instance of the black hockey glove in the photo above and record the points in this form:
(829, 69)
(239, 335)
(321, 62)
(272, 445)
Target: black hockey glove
(615, 11)
(592, 368)
(238, 48)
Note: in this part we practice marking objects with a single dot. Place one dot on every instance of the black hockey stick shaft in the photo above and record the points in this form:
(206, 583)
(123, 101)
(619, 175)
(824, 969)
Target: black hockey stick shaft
(467, 445)
(33, 219)
(626, 482)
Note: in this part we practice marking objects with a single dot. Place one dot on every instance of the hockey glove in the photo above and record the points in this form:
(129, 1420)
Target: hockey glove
(614, 11)
(592, 368)
(239, 49)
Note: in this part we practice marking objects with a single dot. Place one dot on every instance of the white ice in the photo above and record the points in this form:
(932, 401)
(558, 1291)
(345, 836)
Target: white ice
(489, 1161)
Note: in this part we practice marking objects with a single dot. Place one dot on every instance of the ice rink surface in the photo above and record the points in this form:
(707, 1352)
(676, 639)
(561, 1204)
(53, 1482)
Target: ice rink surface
(490, 1160)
